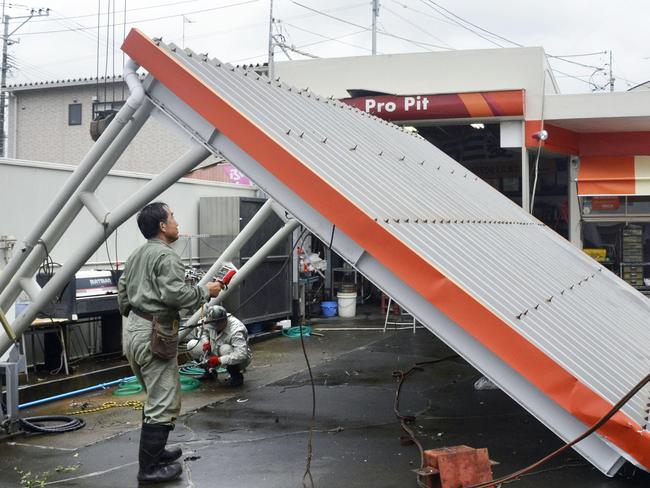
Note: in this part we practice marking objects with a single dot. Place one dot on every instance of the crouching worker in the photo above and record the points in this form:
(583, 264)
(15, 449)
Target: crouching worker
(151, 291)
(225, 340)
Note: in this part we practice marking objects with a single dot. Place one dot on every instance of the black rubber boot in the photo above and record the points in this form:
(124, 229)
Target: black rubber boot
(236, 377)
(153, 438)
(171, 454)
(168, 455)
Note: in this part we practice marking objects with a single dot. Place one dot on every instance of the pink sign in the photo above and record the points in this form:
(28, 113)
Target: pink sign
(234, 175)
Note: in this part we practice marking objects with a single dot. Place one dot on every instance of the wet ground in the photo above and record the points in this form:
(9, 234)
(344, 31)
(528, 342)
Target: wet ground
(257, 436)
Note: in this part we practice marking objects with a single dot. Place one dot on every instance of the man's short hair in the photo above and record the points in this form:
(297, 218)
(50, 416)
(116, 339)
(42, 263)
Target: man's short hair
(150, 217)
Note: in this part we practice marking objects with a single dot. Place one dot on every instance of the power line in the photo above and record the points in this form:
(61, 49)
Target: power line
(426, 14)
(477, 26)
(416, 26)
(432, 6)
(561, 58)
(580, 54)
(335, 39)
(419, 43)
(139, 21)
(302, 46)
(121, 11)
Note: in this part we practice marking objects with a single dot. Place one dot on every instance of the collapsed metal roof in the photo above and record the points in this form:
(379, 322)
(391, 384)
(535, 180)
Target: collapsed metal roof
(554, 329)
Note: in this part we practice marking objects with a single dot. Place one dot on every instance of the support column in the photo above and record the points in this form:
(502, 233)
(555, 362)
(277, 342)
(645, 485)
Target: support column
(525, 172)
(575, 234)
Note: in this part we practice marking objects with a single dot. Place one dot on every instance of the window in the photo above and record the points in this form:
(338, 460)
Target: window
(103, 109)
(74, 114)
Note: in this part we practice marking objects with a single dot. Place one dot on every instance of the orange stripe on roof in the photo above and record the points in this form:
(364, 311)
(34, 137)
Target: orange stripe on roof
(476, 105)
(421, 275)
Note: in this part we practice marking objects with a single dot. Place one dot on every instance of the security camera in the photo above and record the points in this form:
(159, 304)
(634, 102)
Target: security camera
(542, 135)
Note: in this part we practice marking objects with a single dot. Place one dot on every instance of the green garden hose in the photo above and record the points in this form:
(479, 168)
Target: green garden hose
(294, 332)
(133, 387)
(188, 383)
(128, 387)
(195, 371)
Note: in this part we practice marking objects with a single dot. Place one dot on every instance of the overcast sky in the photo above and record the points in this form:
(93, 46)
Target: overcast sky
(65, 44)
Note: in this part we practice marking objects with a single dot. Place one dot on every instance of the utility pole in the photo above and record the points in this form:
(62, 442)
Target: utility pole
(6, 42)
(271, 43)
(375, 14)
(185, 21)
(611, 73)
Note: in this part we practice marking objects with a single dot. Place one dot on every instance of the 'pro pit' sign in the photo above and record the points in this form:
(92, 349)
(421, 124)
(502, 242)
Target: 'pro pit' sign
(450, 106)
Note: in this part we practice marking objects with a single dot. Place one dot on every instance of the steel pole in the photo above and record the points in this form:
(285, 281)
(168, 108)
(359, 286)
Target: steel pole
(244, 271)
(97, 234)
(26, 264)
(241, 239)
(99, 151)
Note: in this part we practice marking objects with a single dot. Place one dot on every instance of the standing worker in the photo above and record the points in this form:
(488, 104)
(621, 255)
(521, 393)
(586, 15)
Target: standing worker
(225, 340)
(151, 291)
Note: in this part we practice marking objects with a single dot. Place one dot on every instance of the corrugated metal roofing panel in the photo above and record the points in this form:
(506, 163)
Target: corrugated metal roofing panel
(552, 315)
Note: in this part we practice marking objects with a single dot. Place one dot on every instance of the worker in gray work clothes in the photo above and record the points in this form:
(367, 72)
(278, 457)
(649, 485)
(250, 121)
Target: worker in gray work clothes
(225, 340)
(151, 291)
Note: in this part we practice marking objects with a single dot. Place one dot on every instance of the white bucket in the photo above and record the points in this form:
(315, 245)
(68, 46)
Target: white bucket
(347, 304)
(285, 324)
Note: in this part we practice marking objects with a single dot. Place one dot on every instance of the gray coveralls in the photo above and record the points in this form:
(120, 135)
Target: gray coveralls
(153, 284)
(231, 344)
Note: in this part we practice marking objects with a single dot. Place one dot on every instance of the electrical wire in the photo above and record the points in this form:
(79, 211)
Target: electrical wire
(405, 420)
(539, 147)
(123, 37)
(335, 39)
(140, 21)
(432, 6)
(99, 9)
(602, 421)
(65, 423)
(119, 12)
(108, 30)
(420, 43)
(312, 424)
(413, 24)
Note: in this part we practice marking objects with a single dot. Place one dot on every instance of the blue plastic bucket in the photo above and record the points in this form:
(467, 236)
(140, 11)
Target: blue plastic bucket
(328, 308)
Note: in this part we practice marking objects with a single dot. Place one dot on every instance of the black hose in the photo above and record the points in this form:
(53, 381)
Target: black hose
(40, 424)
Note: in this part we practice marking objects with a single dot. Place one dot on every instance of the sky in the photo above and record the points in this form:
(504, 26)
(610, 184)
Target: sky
(65, 45)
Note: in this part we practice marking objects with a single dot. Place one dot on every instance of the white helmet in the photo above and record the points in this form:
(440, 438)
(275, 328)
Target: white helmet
(194, 348)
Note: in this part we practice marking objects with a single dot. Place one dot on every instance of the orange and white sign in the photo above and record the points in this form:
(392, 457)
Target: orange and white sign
(614, 175)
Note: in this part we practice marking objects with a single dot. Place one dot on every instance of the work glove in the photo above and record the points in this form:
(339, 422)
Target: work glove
(213, 361)
(207, 347)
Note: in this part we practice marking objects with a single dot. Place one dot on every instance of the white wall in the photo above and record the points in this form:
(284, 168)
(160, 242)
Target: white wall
(28, 187)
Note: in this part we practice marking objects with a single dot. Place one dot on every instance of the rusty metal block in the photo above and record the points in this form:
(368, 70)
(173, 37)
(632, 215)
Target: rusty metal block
(455, 467)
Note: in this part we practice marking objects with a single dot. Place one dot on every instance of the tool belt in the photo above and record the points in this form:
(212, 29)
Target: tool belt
(164, 335)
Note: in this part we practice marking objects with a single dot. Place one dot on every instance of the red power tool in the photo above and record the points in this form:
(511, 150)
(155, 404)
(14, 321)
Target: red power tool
(225, 274)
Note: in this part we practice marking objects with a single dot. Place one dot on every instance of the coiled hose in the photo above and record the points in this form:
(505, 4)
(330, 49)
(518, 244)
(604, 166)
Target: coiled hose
(128, 387)
(133, 387)
(294, 332)
(40, 424)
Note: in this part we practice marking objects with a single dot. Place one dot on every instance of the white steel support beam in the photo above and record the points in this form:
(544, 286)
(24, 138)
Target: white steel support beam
(26, 263)
(97, 152)
(96, 236)
(240, 239)
(244, 271)
(94, 206)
